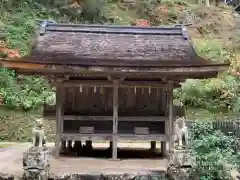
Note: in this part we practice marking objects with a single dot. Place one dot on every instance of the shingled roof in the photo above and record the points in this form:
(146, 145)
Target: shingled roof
(103, 50)
(71, 44)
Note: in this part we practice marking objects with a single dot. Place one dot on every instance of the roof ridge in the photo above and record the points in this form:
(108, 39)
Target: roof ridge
(178, 29)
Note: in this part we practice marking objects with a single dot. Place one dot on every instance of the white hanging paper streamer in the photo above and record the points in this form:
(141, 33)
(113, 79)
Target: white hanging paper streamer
(95, 89)
(80, 89)
(135, 89)
(149, 90)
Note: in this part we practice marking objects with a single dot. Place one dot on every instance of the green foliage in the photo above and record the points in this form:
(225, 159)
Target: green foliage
(213, 49)
(200, 129)
(213, 151)
(16, 126)
(212, 42)
(92, 11)
(161, 12)
(20, 31)
(217, 94)
(23, 92)
(18, 24)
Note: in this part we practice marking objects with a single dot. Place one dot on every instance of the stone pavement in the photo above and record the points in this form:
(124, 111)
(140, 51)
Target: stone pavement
(11, 158)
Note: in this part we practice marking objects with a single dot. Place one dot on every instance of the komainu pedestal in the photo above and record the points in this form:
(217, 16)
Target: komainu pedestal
(36, 163)
(181, 158)
(176, 173)
(238, 176)
(180, 164)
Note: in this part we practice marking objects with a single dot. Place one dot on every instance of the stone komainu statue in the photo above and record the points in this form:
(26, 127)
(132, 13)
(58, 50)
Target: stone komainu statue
(180, 130)
(38, 137)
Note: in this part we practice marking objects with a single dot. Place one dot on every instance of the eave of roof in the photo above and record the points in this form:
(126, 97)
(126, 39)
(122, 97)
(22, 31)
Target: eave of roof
(188, 71)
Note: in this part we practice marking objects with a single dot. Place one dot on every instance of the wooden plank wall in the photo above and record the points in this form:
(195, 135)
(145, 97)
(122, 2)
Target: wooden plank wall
(98, 101)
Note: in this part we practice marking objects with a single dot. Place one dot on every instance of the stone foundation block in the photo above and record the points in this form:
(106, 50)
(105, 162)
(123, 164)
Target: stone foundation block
(178, 173)
(238, 176)
(181, 158)
(36, 164)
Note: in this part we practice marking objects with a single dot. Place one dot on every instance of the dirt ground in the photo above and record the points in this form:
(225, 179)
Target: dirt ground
(11, 162)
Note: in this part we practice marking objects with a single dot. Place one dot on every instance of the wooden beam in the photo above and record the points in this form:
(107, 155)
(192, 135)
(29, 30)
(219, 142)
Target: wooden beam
(115, 119)
(59, 108)
(81, 70)
(122, 84)
(21, 65)
(120, 118)
(108, 137)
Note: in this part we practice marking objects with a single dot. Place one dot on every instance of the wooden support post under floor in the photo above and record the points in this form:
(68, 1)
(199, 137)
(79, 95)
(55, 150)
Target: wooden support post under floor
(115, 120)
(153, 145)
(63, 146)
(163, 148)
(59, 118)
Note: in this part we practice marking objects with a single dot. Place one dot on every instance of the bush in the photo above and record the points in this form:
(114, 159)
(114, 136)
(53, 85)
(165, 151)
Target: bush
(16, 126)
(92, 11)
(213, 151)
(201, 128)
(23, 92)
(216, 94)
(213, 49)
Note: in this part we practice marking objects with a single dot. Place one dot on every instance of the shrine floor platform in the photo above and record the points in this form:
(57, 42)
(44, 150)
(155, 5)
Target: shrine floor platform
(11, 162)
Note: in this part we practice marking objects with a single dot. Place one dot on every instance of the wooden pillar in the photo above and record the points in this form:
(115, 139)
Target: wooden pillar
(69, 147)
(115, 120)
(163, 100)
(59, 117)
(153, 145)
(170, 116)
(165, 110)
(63, 146)
(89, 145)
(164, 148)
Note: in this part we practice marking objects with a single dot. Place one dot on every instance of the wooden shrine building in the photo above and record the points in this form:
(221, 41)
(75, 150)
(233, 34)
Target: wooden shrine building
(114, 82)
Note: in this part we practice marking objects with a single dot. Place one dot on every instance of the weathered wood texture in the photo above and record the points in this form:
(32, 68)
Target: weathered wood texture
(108, 49)
(105, 127)
(103, 45)
(115, 118)
(60, 96)
(108, 137)
(171, 72)
(170, 115)
(99, 102)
